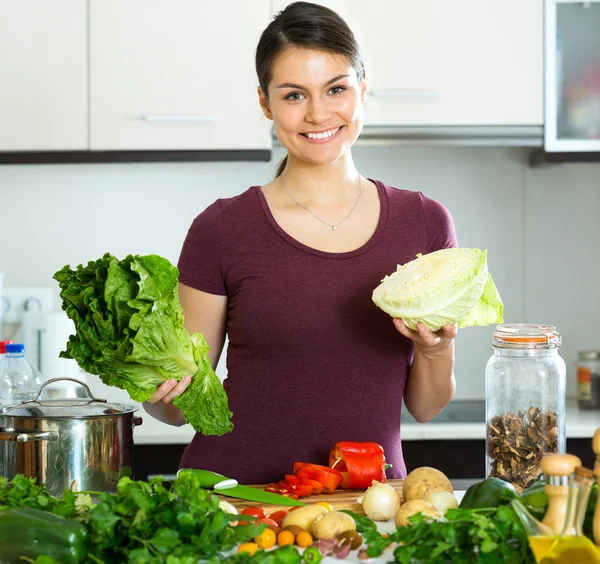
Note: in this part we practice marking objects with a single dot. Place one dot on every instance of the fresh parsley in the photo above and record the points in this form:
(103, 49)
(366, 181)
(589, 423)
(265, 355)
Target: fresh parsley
(463, 536)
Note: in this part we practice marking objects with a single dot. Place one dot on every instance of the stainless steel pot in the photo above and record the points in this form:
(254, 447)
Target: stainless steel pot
(82, 444)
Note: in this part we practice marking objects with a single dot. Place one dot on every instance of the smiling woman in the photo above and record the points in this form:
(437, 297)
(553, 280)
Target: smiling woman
(286, 271)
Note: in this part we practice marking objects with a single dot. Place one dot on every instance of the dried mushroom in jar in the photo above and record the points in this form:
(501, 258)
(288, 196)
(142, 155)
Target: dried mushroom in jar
(517, 443)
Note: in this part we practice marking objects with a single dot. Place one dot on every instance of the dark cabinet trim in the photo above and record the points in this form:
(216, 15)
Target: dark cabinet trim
(458, 459)
(84, 157)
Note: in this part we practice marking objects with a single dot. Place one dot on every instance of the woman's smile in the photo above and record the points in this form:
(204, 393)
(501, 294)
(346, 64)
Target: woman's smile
(323, 136)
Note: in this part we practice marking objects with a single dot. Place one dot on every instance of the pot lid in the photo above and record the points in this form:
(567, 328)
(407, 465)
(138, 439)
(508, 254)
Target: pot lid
(78, 408)
(66, 408)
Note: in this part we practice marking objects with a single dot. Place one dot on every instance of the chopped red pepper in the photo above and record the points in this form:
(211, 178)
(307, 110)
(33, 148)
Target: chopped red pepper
(359, 463)
(317, 487)
(329, 477)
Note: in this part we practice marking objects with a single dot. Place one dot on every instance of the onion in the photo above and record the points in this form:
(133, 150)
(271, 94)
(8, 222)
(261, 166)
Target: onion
(381, 502)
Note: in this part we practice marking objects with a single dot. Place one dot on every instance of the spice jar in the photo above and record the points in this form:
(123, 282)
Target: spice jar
(525, 394)
(588, 379)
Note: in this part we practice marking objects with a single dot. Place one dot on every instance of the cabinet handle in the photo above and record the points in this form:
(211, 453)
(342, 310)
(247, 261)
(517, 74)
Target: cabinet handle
(179, 119)
(403, 93)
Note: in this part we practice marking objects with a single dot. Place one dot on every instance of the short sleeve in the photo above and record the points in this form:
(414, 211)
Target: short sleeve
(200, 262)
(439, 225)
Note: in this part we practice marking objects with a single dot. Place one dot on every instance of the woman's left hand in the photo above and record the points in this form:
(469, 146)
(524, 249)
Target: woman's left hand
(424, 340)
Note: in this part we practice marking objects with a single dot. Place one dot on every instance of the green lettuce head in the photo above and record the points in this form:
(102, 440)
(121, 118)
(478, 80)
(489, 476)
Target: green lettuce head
(442, 288)
(130, 332)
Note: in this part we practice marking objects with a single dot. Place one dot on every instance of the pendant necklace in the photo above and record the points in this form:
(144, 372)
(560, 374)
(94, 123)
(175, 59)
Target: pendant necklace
(333, 226)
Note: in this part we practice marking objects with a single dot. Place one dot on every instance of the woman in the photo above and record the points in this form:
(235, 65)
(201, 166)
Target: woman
(286, 270)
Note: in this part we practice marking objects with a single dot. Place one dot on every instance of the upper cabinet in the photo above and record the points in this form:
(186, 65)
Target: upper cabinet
(43, 75)
(169, 76)
(572, 76)
(442, 63)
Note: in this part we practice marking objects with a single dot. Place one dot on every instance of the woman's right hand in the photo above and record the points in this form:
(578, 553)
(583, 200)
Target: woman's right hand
(169, 390)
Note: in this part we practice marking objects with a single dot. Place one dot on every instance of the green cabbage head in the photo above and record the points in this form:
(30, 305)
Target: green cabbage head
(441, 288)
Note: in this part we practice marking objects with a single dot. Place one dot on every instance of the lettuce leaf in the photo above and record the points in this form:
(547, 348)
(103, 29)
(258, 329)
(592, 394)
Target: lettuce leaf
(130, 332)
(441, 288)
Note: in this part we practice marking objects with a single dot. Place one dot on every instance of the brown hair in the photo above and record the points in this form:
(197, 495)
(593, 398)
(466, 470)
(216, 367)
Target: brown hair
(310, 26)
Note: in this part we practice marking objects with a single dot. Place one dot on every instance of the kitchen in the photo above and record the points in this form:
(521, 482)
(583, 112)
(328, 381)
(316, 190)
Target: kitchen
(539, 224)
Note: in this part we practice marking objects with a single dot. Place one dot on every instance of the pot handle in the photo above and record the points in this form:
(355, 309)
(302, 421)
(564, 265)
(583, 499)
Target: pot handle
(26, 436)
(137, 421)
(52, 380)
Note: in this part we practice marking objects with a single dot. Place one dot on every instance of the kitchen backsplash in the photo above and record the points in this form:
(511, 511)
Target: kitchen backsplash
(540, 226)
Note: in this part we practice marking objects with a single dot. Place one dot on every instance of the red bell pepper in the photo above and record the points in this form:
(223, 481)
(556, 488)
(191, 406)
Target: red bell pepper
(359, 463)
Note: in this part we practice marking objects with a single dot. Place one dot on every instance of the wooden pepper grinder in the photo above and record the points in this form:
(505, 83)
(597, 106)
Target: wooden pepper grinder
(596, 448)
(557, 468)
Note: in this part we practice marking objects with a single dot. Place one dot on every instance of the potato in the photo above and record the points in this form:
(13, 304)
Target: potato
(422, 479)
(442, 500)
(330, 525)
(413, 507)
(303, 516)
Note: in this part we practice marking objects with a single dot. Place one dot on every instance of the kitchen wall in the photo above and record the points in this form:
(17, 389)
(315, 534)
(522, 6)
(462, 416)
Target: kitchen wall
(540, 226)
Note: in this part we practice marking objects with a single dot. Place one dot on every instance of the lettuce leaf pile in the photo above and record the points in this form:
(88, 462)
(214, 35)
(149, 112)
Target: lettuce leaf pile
(130, 332)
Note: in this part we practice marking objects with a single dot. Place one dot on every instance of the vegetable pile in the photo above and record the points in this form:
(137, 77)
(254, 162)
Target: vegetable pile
(130, 332)
(442, 288)
(144, 522)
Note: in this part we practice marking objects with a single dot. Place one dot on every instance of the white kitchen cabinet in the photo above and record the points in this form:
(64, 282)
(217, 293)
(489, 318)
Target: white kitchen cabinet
(445, 63)
(176, 75)
(43, 75)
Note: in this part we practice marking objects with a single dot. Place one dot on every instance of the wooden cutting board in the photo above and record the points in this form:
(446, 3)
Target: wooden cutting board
(340, 499)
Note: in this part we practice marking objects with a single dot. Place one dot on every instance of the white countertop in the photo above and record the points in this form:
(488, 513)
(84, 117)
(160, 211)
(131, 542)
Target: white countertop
(580, 424)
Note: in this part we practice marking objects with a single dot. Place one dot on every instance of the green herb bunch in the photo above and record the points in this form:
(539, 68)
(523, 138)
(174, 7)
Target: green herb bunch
(24, 492)
(152, 522)
(463, 536)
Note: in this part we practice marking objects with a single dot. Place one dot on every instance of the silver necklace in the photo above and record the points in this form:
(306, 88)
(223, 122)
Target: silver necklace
(333, 226)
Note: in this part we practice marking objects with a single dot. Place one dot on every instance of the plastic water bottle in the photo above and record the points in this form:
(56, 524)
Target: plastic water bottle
(3, 348)
(19, 379)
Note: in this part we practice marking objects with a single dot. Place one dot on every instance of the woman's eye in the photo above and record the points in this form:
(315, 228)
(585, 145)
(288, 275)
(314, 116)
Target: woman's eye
(337, 89)
(294, 96)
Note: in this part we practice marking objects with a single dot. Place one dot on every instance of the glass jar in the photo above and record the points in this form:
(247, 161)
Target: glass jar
(525, 395)
(588, 379)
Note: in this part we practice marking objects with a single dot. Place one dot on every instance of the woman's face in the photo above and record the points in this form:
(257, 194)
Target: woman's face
(316, 103)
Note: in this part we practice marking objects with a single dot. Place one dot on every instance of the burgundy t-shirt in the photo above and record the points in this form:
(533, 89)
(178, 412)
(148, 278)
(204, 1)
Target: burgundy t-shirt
(311, 359)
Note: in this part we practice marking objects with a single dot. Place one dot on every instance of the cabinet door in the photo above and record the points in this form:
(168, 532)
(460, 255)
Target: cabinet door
(176, 75)
(572, 75)
(435, 62)
(43, 75)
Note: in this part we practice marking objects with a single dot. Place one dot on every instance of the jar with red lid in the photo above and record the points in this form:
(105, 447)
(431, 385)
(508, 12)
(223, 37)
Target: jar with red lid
(525, 388)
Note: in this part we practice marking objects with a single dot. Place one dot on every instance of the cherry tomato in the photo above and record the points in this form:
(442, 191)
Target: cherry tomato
(257, 512)
(249, 547)
(266, 539)
(252, 511)
(278, 517)
(285, 537)
(270, 524)
(304, 539)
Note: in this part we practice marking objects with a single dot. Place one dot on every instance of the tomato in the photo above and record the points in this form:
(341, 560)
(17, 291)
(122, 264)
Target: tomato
(249, 547)
(270, 523)
(266, 539)
(253, 511)
(278, 517)
(256, 511)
